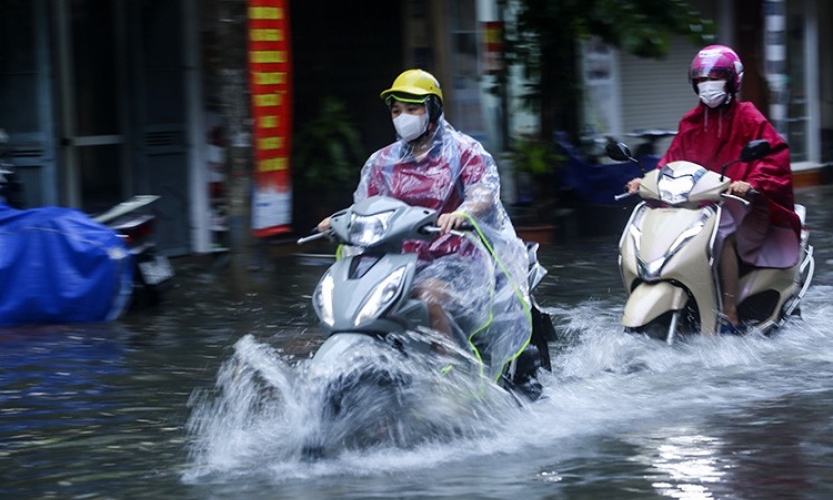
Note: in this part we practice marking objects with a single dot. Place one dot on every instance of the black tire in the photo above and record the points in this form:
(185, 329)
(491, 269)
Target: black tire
(657, 329)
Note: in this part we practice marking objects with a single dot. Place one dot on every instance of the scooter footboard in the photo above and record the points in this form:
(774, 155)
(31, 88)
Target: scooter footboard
(649, 300)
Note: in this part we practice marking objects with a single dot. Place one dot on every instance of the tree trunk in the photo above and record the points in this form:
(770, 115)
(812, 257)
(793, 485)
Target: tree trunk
(232, 27)
(560, 94)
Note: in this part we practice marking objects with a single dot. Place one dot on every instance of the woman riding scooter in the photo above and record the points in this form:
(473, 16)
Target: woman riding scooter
(766, 232)
(435, 166)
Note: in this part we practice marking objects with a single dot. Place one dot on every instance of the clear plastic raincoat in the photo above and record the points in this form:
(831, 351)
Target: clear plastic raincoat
(484, 275)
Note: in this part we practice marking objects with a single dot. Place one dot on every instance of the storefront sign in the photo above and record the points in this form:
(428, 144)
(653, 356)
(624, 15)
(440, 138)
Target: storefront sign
(270, 85)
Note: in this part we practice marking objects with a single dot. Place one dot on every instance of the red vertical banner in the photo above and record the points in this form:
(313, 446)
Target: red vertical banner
(492, 55)
(271, 94)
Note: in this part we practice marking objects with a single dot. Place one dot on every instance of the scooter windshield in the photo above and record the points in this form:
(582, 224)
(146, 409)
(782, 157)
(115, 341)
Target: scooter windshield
(367, 230)
(674, 185)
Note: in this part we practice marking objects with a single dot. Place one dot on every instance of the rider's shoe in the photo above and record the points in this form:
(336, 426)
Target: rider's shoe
(528, 363)
(531, 388)
(728, 328)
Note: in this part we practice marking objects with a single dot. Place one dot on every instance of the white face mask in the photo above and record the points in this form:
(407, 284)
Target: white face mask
(712, 92)
(409, 126)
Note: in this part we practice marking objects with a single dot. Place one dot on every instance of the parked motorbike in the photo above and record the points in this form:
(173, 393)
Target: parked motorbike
(667, 257)
(11, 190)
(60, 266)
(364, 303)
(153, 272)
(93, 280)
(592, 181)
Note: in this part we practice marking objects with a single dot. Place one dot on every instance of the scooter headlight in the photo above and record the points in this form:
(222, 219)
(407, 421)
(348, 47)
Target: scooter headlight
(381, 297)
(324, 299)
(367, 230)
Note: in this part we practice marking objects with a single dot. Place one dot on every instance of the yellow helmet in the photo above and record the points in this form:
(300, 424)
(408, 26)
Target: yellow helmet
(414, 82)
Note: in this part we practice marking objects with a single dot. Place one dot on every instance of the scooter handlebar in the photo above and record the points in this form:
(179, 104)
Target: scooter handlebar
(427, 230)
(736, 198)
(466, 227)
(313, 237)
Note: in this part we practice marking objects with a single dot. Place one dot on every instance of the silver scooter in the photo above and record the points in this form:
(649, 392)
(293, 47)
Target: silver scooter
(668, 263)
(365, 305)
(11, 190)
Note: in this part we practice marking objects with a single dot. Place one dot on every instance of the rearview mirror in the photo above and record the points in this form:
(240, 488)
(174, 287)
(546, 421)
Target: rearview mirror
(755, 150)
(618, 151)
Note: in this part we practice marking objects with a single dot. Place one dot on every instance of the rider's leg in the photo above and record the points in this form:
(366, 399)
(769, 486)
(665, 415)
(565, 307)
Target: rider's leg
(744, 230)
(431, 291)
(439, 319)
(730, 279)
(456, 291)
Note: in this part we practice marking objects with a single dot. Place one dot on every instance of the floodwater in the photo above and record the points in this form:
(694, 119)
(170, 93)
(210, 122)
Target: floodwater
(155, 406)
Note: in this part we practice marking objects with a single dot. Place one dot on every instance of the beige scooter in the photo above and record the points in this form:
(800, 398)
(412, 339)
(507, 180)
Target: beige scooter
(668, 263)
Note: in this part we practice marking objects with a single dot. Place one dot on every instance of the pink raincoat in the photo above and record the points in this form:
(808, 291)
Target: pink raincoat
(714, 137)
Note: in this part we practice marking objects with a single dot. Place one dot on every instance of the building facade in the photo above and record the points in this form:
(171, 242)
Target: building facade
(103, 99)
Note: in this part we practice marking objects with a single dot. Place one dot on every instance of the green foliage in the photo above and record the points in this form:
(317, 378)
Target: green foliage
(328, 151)
(536, 156)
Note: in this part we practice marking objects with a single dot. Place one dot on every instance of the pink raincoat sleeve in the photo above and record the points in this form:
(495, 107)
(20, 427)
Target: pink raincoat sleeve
(772, 174)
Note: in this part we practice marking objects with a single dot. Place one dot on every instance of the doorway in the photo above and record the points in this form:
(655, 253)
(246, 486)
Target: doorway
(121, 109)
(91, 51)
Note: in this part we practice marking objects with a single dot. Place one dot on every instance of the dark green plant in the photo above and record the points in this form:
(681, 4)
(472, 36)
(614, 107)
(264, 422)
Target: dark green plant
(536, 156)
(328, 152)
(537, 166)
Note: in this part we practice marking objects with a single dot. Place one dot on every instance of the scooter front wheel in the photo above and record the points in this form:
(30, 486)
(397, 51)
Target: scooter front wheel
(665, 327)
(359, 410)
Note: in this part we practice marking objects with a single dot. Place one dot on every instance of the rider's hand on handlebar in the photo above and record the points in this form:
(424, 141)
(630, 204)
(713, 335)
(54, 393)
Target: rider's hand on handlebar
(633, 185)
(324, 225)
(740, 188)
(447, 222)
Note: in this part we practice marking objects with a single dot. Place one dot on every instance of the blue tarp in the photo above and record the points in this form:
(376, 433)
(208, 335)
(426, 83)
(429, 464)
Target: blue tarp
(57, 265)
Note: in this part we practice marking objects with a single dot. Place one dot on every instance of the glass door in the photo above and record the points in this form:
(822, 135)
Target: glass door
(91, 72)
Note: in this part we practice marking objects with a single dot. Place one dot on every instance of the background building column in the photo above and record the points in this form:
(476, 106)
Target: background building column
(775, 48)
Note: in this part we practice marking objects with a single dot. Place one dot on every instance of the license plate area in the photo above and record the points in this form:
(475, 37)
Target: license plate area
(156, 270)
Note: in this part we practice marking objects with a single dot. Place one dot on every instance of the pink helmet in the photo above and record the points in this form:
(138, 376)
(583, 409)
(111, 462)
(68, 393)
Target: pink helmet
(717, 61)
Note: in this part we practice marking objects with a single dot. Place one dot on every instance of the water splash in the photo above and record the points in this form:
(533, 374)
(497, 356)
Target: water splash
(371, 403)
(253, 403)
(603, 378)
(604, 382)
